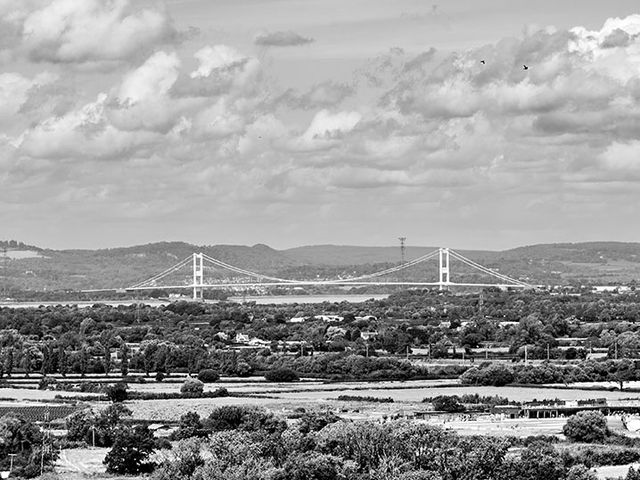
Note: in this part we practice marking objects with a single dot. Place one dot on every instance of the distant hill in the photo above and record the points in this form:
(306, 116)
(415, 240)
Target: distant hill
(581, 263)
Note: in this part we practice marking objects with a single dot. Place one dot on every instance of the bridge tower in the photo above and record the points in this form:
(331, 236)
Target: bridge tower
(444, 280)
(198, 276)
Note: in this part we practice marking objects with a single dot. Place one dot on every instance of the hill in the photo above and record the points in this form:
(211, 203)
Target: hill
(566, 263)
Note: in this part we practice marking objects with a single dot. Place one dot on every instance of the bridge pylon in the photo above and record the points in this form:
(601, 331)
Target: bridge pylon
(443, 272)
(198, 276)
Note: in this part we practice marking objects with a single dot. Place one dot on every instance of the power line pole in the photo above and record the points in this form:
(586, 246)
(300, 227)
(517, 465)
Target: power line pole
(402, 248)
(402, 256)
(5, 274)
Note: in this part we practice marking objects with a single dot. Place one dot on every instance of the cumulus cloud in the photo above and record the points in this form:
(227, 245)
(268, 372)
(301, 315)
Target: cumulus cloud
(155, 77)
(281, 39)
(425, 130)
(67, 31)
(15, 92)
(82, 133)
(321, 95)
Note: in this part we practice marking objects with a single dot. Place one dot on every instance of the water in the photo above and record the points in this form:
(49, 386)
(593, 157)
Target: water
(284, 299)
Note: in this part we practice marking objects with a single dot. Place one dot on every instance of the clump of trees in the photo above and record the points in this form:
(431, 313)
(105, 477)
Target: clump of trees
(192, 387)
(251, 443)
(588, 427)
(588, 371)
(448, 403)
(208, 375)
(130, 451)
(24, 440)
(281, 375)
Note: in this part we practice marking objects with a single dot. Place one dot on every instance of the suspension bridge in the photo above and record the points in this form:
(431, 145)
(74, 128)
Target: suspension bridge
(198, 281)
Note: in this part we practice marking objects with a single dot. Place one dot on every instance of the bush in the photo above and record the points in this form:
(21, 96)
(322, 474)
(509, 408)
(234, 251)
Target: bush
(249, 419)
(192, 386)
(243, 369)
(131, 448)
(208, 376)
(117, 392)
(589, 427)
(281, 375)
(360, 398)
(447, 403)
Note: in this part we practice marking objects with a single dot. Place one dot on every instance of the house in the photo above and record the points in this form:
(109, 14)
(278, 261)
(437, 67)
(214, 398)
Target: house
(366, 336)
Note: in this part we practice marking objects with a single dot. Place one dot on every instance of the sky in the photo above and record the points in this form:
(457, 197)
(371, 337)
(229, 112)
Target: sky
(302, 122)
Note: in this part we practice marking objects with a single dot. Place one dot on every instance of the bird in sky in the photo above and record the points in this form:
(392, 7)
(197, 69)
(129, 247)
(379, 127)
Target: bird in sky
(482, 62)
(524, 67)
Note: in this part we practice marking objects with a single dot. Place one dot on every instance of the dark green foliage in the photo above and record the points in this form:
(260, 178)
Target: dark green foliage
(190, 426)
(89, 426)
(312, 466)
(25, 440)
(192, 387)
(359, 398)
(597, 455)
(448, 403)
(117, 392)
(251, 419)
(243, 369)
(316, 421)
(208, 376)
(130, 451)
(589, 427)
(281, 375)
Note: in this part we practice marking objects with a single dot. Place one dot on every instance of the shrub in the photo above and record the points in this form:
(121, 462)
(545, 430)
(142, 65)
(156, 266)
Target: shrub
(249, 419)
(589, 427)
(117, 392)
(360, 398)
(131, 448)
(281, 375)
(243, 369)
(208, 376)
(448, 403)
(192, 386)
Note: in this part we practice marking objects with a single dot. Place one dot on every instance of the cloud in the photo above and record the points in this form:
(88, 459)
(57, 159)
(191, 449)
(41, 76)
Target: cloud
(15, 92)
(82, 133)
(321, 95)
(92, 31)
(207, 132)
(622, 157)
(281, 39)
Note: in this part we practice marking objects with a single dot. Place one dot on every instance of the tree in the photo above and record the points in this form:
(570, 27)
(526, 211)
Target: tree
(186, 458)
(580, 472)
(539, 461)
(625, 372)
(208, 376)
(23, 438)
(312, 466)
(62, 360)
(83, 360)
(97, 428)
(107, 360)
(190, 426)
(448, 403)
(590, 427)
(124, 359)
(117, 392)
(192, 386)
(281, 375)
(130, 451)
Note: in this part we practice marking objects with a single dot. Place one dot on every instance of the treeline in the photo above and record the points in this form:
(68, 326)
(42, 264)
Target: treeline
(250, 443)
(589, 371)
